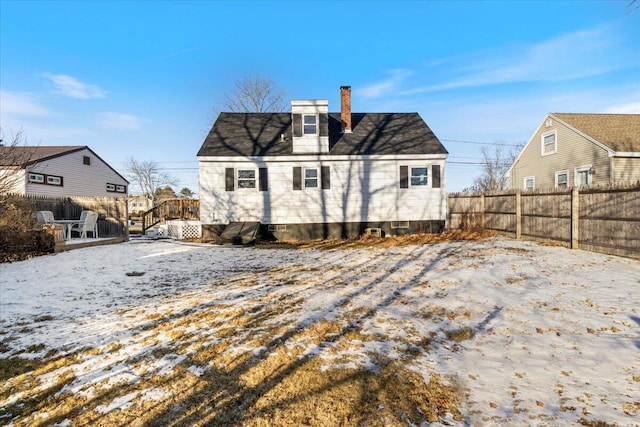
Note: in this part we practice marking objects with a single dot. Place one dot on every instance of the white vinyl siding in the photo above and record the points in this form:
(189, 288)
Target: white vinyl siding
(78, 179)
(361, 190)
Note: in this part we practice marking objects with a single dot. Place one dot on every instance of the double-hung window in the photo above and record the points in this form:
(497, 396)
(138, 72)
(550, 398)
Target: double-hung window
(309, 124)
(310, 178)
(549, 144)
(562, 179)
(419, 176)
(529, 183)
(246, 178)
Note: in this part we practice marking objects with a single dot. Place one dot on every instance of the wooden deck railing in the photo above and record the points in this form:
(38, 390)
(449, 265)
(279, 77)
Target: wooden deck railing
(171, 209)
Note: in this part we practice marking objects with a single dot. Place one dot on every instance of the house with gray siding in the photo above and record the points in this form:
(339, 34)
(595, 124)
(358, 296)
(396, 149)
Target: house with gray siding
(316, 174)
(59, 171)
(574, 149)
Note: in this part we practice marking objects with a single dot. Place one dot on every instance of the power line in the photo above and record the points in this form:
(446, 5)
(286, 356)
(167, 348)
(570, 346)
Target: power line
(481, 143)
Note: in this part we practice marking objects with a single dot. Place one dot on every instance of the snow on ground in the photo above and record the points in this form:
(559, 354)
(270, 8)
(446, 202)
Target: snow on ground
(532, 334)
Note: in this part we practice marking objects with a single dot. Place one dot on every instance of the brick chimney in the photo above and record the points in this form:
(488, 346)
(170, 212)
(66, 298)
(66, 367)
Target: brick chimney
(345, 108)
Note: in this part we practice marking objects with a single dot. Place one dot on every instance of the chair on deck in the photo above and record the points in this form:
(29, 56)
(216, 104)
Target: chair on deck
(88, 223)
(44, 217)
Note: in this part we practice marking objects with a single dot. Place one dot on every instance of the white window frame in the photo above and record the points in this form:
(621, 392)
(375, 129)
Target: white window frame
(244, 179)
(555, 143)
(559, 173)
(314, 124)
(576, 174)
(426, 176)
(36, 178)
(316, 178)
(54, 180)
(527, 178)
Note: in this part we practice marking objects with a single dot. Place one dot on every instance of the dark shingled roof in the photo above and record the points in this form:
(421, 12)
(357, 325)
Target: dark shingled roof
(26, 155)
(259, 134)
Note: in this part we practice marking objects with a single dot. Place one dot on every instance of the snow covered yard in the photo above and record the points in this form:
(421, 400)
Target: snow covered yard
(496, 332)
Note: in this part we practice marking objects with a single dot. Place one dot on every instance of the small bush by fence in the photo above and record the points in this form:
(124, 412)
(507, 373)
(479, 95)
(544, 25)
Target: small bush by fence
(599, 219)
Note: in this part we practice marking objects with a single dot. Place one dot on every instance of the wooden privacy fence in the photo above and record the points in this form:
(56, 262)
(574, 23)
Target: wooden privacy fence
(599, 219)
(112, 211)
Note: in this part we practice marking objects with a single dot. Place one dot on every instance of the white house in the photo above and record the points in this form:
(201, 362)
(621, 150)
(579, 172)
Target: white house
(315, 174)
(59, 171)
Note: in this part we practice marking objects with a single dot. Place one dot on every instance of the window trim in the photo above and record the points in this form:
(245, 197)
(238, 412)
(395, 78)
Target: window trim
(576, 174)
(426, 176)
(51, 178)
(36, 178)
(559, 173)
(254, 179)
(315, 124)
(532, 178)
(316, 178)
(555, 143)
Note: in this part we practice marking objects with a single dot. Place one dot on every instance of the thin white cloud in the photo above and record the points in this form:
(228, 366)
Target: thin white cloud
(23, 104)
(389, 84)
(569, 56)
(629, 108)
(73, 88)
(119, 121)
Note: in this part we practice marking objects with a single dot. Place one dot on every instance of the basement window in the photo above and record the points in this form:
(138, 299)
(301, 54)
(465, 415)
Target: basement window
(399, 224)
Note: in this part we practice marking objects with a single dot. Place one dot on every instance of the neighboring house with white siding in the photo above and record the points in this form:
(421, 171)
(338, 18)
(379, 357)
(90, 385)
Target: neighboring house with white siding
(139, 203)
(573, 149)
(315, 174)
(60, 171)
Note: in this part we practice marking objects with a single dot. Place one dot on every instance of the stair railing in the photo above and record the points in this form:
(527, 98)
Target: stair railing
(171, 209)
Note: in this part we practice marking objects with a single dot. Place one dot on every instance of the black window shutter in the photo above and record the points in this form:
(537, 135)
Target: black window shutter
(324, 124)
(404, 176)
(297, 125)
(435, 179)
(263, 182)
(297, 178)
(325, 176)
(229, 179)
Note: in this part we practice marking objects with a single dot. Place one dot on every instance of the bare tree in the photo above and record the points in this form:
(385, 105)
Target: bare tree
(495, 164)
(149, 176)
(633, 5)
(14, 156)
(254, 93)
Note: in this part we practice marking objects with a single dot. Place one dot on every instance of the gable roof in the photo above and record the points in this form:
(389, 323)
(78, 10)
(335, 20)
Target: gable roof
(259, 134)
(23, 156)
(619, 132)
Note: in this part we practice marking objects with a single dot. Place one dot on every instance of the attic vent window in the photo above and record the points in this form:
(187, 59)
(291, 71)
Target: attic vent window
(86, 160)
(310, 124)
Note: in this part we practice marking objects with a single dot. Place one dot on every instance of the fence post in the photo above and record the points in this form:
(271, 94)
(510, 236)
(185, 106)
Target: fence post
(518, 214)
(575, 217)
(482, 216)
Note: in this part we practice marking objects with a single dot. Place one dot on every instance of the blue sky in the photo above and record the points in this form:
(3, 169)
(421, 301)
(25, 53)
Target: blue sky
(142, 79)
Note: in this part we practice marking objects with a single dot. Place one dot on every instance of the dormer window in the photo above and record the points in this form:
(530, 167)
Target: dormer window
(309, 124)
